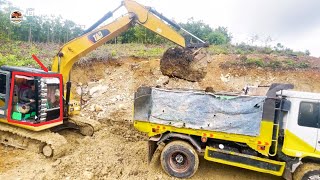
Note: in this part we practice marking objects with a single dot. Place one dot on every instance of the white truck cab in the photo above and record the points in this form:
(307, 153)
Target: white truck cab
(301, 124)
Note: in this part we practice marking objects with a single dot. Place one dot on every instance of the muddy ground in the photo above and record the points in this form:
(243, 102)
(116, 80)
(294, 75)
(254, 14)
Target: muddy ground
(118, 151)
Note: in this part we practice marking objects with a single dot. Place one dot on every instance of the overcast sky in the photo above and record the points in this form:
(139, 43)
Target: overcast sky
(294, 23)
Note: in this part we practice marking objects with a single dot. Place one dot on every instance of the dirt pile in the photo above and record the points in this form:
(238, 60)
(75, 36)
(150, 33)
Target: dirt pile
(184, 64)
(118, 151)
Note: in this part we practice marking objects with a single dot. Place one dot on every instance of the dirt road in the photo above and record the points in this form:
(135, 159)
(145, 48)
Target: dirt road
(118, 151)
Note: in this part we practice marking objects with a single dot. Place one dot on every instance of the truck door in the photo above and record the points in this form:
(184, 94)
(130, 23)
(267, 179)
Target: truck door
(4, 92)
(308, 125)
(301, 132)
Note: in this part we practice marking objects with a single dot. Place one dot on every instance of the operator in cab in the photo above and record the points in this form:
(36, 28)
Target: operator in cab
(28, 95)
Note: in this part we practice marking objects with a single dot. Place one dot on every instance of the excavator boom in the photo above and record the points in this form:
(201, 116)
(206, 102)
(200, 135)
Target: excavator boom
(91, 39)
(79, 47)
(147, 19)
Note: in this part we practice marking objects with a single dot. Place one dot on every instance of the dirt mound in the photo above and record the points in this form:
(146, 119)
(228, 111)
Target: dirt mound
(118, 151)
(184, 64)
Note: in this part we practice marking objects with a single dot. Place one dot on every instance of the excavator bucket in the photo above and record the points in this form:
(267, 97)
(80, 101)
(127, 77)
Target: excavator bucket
(184, 63)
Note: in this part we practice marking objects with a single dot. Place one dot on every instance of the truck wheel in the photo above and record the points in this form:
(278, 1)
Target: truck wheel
(179, 159)
(307, 171)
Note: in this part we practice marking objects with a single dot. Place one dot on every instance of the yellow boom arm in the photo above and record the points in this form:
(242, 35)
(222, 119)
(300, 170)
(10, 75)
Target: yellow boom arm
(146, 18)
(79, 47)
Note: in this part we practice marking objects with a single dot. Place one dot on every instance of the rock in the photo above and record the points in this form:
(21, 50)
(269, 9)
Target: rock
(92, 108)
(159, 177)
(163, 80)
(56, 163)
(98, 89)
(92, 82)
(118, 97)
(182, 63)
(225, 78)
(113, 100)
(210, 89)
(101, 80)
(85, 89)
(94, 90)
(135, 66)
(88, 175)
(79, 90)
(122, 107)
(98, 108)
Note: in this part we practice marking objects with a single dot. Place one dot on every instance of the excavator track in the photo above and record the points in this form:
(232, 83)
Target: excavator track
(86, 126)
(46, 142)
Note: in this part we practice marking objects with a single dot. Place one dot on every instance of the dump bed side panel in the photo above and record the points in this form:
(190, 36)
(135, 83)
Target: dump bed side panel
(199, 110)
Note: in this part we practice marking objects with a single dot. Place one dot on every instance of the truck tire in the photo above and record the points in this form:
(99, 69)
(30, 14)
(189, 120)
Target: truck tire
(307, 171)
(179, 159)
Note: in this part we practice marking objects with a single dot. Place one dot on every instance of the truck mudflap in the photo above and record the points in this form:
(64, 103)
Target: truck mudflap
(245, 161)
(153, 144)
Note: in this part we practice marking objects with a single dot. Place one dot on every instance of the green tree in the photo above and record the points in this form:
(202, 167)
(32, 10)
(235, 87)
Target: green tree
(36, 28)
(216, 36)
(307, 52)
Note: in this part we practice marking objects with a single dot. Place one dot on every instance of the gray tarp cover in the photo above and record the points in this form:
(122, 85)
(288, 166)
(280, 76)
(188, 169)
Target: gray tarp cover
(198, 110)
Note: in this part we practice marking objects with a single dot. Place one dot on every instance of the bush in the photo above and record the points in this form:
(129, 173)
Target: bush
(274, 64)
(307, 52)
(255, 61)
(219, 49)
(244, 49)
(303, 65)
(290, 63)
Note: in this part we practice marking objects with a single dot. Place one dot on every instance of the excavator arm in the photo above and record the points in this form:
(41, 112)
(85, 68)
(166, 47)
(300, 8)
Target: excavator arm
(146, 18)
(72, 51)
(92, 38)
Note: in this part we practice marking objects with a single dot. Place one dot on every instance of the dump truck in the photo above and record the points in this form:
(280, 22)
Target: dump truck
(275, 133)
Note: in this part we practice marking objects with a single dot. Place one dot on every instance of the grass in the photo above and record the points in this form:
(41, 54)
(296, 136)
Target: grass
(115, 51)
(219, 49)
(16, 53)
(285, 64)
(245, 49)
(255, 62)
(19, 54)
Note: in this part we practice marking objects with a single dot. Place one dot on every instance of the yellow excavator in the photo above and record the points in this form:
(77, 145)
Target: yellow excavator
(33, 123)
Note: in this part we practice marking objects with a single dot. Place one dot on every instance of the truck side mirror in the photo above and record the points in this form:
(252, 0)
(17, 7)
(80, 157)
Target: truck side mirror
(286, 105)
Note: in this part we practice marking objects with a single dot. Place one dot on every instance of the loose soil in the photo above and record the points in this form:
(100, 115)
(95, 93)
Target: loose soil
(118, 151)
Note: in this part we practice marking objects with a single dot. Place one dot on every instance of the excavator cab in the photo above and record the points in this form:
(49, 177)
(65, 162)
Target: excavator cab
(31, 97)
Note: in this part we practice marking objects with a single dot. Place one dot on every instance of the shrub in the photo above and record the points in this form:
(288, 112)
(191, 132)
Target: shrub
(255, 61)
(274, 64)
(303, 65)
(290, 63)
(219, 49)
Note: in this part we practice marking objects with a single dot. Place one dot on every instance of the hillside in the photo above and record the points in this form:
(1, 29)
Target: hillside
(118, 151)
